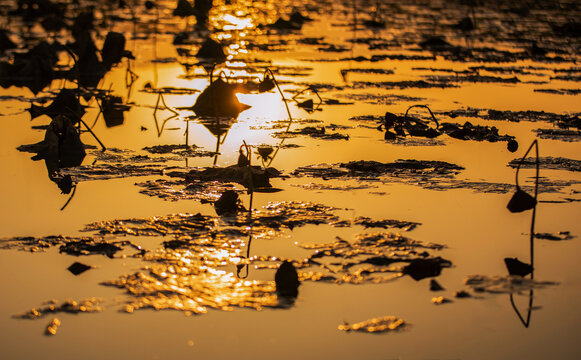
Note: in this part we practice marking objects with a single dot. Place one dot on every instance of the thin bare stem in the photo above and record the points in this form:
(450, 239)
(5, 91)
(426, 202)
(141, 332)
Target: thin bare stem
(534, 143)
(70, 198)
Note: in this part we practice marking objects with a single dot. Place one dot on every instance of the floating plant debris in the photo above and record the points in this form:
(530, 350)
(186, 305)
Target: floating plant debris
(87, 245)
(439, 300)
(182, 150)
(367, 259)
(174, 190)
(416, 171)
(383, 324)
(435, 286)
(52, 327)
(166, 225)
(422, 268)
(548, 162)
(461, 294)
(250, 177)
(517, 267)
(560, 134)
(192, 289)
(78, 268)
(504, 284)
(560, 236)
(89, 305)
(339, 187)
(113, 171)
(314, 132)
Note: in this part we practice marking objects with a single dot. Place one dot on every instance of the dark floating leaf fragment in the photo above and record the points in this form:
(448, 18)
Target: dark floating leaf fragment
(435, 286)
(287, 280)
(560, 236)
(78, 268)
(461, 294)
(65, 103)
(227, 203)
(517, 267)
(219, 100)
(548, 162)
(521, 201)
(422, 268)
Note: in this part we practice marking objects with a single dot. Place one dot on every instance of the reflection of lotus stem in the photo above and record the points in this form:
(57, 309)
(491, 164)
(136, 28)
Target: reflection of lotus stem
(70, 198)
(281, 94)
(311, 88)
(424, 106)
(92, 133)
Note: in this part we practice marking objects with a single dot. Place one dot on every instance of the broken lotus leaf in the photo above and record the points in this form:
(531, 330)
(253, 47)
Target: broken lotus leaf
(287, 280)
(517, 267)
(65, 103)
(227, 203)
(211, 50)
(113, 49)
(61, 148)
(248, 176)
(422, 268)
(521, 201)
(219, 100)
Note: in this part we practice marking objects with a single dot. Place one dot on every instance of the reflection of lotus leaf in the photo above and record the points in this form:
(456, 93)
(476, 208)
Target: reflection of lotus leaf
(219, 99)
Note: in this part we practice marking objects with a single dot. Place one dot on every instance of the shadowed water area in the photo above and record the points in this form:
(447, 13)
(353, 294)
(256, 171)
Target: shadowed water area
(315, 179)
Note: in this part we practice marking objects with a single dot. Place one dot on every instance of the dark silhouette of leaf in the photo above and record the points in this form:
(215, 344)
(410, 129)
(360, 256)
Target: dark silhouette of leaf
(61, 147)
(521, 201)
(184, 9)
(65, 103)
(517, 267)
(5, 42)
(435, 286)
(78, 268)
(287, 280)
(227, 203)
(219, 99)
(113, 49)
(211, 50)
(422, 268)
(33, 69)
(113, 110)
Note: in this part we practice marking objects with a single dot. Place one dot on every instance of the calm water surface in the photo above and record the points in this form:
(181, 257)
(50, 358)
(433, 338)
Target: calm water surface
(358, 69)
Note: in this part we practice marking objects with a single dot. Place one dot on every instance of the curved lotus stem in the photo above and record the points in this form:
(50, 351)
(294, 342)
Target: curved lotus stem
(536, 144)
(280, 92)
(70, 198)
(426, 107)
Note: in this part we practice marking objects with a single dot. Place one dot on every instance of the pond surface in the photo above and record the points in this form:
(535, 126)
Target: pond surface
(337, 188)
